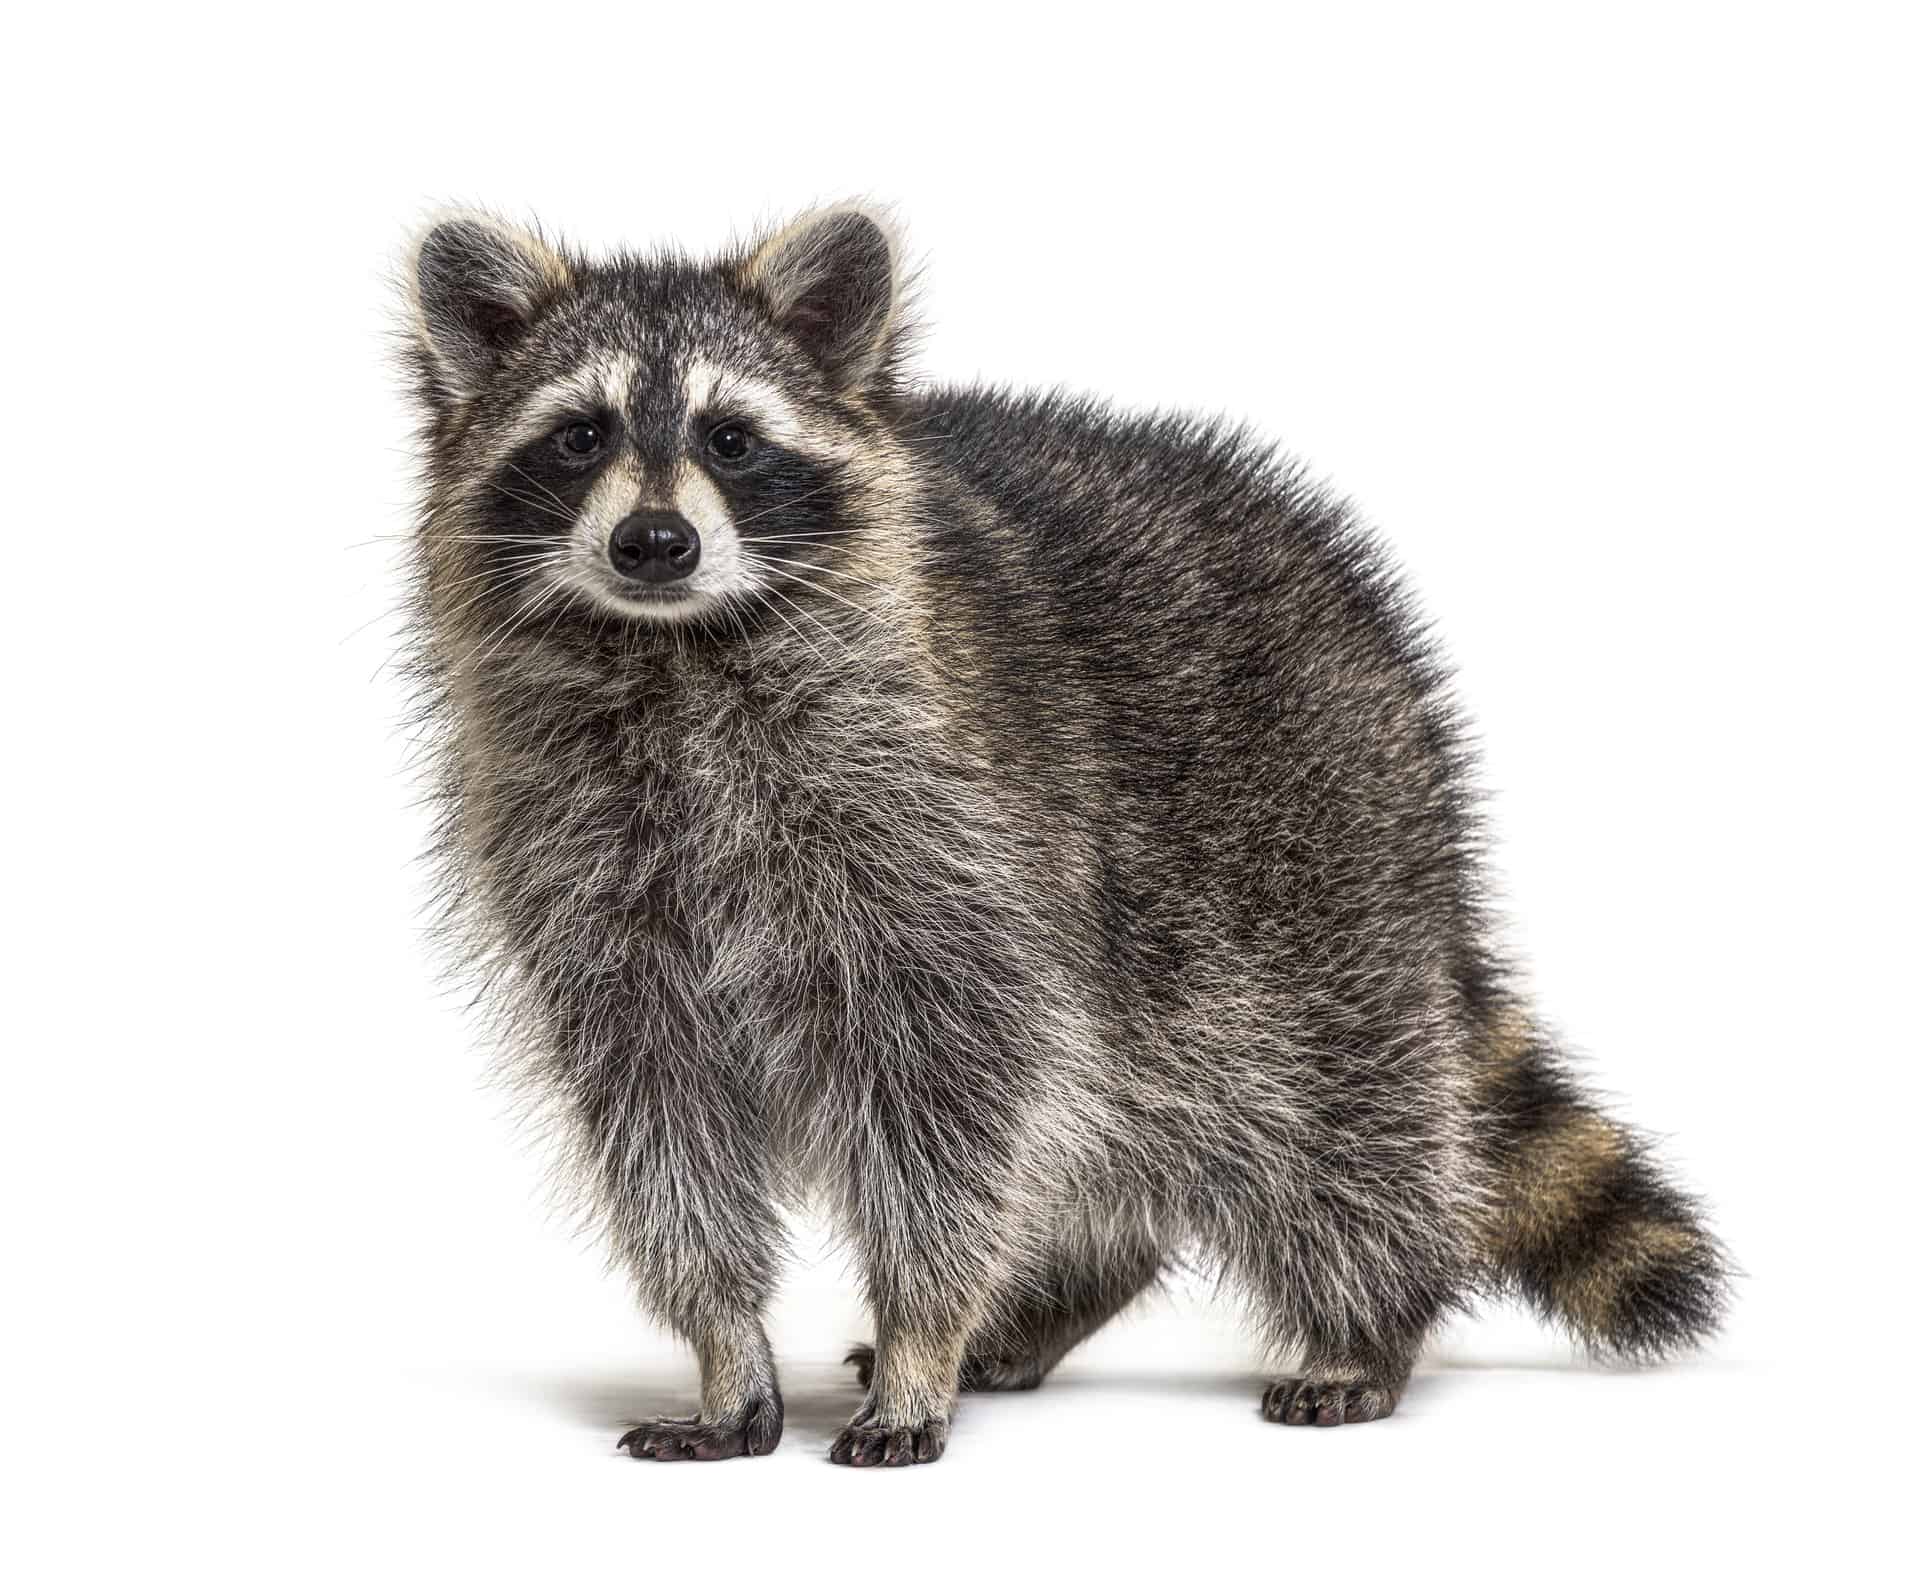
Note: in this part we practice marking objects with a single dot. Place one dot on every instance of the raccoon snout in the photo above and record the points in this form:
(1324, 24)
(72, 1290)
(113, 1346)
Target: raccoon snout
(655, 547)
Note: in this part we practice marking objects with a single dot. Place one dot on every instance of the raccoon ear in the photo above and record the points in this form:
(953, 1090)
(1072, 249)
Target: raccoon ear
(475, 284)
(834, 279)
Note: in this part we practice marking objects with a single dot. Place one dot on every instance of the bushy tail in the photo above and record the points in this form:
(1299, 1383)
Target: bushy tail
(1582, 1222)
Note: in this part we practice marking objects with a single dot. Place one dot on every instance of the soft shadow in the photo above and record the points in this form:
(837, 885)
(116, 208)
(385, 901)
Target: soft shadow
(1532, 1364)
(1568, 1364)
(817, 1398)
(1150, 1382)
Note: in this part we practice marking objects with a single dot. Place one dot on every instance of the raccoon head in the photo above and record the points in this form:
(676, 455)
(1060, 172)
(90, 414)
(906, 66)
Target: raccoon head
(651, 438)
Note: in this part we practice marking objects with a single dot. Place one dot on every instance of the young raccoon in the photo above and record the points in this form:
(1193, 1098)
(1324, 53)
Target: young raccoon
(1040, 835)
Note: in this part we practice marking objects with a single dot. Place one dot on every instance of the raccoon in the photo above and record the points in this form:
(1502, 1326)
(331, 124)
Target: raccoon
(1039, 836)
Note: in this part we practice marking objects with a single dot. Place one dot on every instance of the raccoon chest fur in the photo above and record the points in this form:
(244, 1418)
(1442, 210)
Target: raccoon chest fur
(715, 861)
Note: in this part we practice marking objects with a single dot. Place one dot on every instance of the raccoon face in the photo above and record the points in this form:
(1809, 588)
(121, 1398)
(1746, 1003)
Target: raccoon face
(651, 438)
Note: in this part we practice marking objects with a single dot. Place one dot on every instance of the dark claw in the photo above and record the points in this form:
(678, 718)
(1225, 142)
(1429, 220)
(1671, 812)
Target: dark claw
(870, 1445)
(1301, 1403)
(754, 1433)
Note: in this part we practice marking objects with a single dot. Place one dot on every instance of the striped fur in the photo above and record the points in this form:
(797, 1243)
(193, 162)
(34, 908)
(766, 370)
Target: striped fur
(1582, 1222)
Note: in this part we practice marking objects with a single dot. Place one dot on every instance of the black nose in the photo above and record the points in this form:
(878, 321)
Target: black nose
(655, 547)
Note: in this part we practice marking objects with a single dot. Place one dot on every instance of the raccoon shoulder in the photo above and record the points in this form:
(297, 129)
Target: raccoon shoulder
(1123, 529)
(1061, 462)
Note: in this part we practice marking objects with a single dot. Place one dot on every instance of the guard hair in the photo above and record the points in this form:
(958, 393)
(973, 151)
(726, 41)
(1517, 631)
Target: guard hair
(1042, 837)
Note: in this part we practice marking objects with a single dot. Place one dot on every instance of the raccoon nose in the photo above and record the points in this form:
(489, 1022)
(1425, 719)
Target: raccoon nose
(655, 547)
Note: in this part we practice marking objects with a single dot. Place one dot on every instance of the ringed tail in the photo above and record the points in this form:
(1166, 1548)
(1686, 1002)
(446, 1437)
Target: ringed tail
(1582, 1221)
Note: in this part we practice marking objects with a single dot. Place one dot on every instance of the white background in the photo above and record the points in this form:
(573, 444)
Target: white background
(1602, 320)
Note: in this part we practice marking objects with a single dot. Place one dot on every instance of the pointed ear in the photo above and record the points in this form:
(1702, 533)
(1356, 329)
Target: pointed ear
(833, 279)
(474, 285)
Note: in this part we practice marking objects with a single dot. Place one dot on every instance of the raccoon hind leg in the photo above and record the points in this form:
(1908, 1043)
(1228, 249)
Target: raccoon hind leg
(1073, 1290)
(1353, 1285)
(1354, 1366)
(1330, 1391)
(1357, 1353)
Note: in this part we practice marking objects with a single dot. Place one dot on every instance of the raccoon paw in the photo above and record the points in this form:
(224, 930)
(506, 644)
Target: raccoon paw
(876, 1444)
(978, 1372)
(1300, 1402)
(755, 1433)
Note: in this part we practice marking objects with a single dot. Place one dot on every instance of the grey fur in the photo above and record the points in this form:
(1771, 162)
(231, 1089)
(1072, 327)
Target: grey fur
(1052, 852)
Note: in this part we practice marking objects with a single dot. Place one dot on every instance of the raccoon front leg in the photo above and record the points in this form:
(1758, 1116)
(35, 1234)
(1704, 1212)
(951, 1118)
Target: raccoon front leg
(933, 1200)
(742, 1410)
(930, 1257)
(691, 1216)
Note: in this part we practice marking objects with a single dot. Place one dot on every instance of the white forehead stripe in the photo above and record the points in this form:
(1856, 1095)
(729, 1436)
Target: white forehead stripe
(711, 389)
(605, 380)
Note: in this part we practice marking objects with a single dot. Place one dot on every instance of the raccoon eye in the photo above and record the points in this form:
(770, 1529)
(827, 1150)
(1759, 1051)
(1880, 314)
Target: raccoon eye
(580, 438)
(730, 442)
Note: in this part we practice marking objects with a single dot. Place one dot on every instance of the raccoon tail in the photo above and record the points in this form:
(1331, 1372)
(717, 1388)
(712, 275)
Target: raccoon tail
(1581, 1220)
